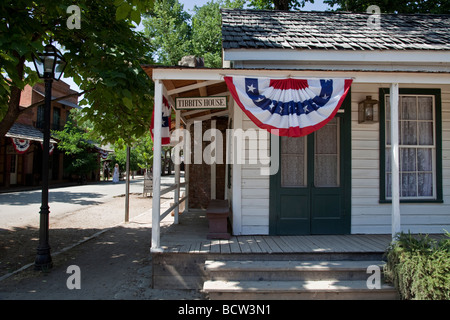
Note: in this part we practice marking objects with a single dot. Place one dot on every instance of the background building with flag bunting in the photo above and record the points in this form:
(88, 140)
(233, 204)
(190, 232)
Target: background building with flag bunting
(21, 147)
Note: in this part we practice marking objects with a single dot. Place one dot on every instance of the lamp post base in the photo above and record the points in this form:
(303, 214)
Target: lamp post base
(43, 262)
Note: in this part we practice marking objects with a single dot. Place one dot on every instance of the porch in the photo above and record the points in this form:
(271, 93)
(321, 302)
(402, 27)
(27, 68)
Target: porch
(247, 186)
(182, 264)
(189, 236)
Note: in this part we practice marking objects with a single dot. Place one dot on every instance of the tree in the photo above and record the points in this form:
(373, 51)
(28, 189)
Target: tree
(279, 4)
(103, 57)
(207, 30)
(75, 144)
(394, 6)
(168, 31)
(120, 156)
(144, 149)
(173, 33)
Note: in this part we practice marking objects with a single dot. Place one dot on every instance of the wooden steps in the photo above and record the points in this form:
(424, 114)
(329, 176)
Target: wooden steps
(182, 264)
(336, 279)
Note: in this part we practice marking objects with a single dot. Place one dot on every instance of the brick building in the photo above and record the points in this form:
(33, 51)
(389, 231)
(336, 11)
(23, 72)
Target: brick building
(21, 147)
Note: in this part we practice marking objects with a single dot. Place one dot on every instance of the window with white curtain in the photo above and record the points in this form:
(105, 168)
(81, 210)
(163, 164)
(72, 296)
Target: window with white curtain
(418, 148)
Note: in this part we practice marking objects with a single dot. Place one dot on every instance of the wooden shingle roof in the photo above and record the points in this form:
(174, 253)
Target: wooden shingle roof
(259, 29)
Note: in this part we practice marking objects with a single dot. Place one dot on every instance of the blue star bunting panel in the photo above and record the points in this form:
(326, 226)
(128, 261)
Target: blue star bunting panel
(295, 107)
(166, 122)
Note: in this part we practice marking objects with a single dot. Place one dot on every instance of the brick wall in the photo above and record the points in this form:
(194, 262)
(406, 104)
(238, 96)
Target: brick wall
(200, 174)
(30, 96)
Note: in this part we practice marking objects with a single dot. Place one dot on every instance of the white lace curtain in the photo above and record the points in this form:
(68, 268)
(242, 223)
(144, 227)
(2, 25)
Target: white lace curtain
(416, 147)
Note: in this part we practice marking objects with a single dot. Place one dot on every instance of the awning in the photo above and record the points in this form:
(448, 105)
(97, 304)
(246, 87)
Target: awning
(26, 132)
(64, 102)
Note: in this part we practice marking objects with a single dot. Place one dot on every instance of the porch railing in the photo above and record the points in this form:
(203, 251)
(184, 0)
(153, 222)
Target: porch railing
(177, 200)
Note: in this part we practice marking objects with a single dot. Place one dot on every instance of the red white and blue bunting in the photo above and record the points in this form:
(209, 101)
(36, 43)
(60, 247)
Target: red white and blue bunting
(21, 145)
(166, 122)
(295, 107)
(50, 149)
(103, 154)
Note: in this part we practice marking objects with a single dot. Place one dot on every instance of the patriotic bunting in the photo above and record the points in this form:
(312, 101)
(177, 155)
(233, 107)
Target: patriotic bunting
(50, 148)
(166, 122)
(296, 107)
(103, 154)
(21, 145)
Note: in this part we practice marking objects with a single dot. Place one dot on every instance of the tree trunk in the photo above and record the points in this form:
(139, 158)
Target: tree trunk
(13, 105)
(13, 111)
(281, 4)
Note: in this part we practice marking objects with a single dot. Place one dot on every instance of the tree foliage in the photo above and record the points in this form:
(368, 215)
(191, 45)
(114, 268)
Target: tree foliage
(144, 149)
(75, 144)
(168, 30)
(279, 4)
(103, 57)
(174, 33)
(207, 30)
(394, 6)
(141, 153)
(120, 157)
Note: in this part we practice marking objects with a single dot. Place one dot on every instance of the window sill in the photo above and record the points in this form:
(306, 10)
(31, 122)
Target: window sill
(415, 201)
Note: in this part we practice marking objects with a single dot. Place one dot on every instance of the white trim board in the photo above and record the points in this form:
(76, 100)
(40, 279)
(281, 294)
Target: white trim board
(357, 76)
(399, 56)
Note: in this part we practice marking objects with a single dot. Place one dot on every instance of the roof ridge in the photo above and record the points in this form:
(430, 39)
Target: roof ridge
(333, 12)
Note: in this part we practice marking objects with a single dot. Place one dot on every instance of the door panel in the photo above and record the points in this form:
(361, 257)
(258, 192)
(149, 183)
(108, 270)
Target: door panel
(327, 205)
(294, 214)
(293, 162)
(326, 155)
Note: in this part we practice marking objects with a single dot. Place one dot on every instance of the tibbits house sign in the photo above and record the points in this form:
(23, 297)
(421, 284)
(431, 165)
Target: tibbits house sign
(201, 103)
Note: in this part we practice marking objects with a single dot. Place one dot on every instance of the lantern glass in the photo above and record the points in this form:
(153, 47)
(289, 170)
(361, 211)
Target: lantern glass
(50, 64)
(368, 111)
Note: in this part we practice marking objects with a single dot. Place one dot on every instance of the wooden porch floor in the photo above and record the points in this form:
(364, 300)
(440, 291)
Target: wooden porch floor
(189, 236)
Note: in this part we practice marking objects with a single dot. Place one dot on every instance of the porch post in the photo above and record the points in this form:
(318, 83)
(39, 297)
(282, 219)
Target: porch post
(187, 162)
(156, 247)
(213, 165)
(177, 170)
(395, 160)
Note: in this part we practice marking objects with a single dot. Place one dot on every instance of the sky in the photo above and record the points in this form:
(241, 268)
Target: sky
(189, 6)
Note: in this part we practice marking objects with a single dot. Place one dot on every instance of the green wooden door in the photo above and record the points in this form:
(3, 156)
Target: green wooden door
(310, 194)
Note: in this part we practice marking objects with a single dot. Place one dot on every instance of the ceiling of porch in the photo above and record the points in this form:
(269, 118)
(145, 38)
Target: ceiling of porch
(193, 88)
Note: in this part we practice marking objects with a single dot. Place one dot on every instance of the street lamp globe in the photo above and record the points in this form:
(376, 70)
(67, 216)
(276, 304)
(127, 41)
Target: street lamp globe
(49, 64)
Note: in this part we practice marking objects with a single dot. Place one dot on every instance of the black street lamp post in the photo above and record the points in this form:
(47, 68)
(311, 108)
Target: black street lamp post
(49, 65)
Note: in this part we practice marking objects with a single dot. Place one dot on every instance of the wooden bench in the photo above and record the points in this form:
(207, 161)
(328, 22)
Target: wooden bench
(148, 185)
(217, 213)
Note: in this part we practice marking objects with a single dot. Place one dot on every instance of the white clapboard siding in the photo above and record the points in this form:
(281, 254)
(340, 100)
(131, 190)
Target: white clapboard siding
(370, 216)
(254, 186)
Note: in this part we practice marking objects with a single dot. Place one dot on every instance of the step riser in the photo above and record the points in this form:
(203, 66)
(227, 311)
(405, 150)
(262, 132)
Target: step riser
(290, 270)
(293, 280)
(274, 275)
(369, 295)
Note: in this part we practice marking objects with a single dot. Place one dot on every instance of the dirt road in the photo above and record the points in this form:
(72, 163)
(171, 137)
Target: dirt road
(114, 262)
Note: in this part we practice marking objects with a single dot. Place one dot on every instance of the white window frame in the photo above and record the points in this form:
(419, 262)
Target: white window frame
(436, 148)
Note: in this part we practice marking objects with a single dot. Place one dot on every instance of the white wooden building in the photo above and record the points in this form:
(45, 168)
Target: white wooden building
(382, 176)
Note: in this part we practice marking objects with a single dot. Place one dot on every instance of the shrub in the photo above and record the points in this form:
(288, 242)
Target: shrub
(419, 266)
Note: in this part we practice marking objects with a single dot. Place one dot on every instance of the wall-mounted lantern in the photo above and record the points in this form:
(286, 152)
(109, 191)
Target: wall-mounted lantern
(368, 110)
